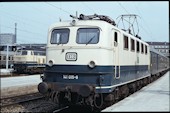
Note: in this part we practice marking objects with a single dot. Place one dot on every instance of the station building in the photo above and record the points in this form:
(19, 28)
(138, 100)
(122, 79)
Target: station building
(162, 47)
(7, 49)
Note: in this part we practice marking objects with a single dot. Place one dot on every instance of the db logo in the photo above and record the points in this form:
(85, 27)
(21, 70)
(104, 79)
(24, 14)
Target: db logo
(71, 56)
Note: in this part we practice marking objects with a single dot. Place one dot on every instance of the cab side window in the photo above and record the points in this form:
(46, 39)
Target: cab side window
(137, 46)
(126, 42)
(115, 36)
(146, 49)
(132, 45)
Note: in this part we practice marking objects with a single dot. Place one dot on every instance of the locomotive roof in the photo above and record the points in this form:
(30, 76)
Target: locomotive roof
(157, 52)
(93, 22)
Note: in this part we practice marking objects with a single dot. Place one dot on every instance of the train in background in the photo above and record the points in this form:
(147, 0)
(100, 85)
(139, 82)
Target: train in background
(92, 62)
(158, 62)
(3, 56)
(29, 61)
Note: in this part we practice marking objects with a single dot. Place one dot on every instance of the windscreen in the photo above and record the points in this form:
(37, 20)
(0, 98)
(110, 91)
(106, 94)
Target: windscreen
(24, 52)
(87, 36)
(60, 36)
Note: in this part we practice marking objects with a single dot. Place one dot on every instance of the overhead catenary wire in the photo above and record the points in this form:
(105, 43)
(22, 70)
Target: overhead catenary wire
(149, 34)
(83, 3)
(123, 7)
(137, 9)
(31, 21)
(26, 37)
(24, 18)
(16, 20)
(37, 9)
(130, 25)
(21, 30)
(58, 8)
(147, 31)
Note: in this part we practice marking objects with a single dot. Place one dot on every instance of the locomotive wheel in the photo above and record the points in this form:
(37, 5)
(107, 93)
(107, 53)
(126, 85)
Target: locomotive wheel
(132, 88)
(124, 91)
(142, 83)
(117, 93)
(138, 84)
(152, 78)
(109, 100)
(149, 80)
(145, 81)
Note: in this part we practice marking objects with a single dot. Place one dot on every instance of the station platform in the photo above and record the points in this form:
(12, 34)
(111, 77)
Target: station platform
(153, 97)
(6, 71)
(14, 86)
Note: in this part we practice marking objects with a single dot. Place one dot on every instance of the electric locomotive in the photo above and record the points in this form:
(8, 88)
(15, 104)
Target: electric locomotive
(90, 61)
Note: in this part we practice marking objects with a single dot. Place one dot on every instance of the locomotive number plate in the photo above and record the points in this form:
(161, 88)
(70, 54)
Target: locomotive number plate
(71, 56)
(70, 76)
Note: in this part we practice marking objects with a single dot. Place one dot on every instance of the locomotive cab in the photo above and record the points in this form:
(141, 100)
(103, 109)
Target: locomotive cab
(80, 51)
(77, 59)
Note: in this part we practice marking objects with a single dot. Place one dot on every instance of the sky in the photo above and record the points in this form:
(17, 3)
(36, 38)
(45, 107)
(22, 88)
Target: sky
(34, 18)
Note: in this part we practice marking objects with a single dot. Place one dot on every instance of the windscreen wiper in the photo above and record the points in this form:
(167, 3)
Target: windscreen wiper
(90, 40)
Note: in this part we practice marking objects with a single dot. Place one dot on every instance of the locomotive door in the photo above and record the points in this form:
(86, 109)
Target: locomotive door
(116, 54)
(137, 58)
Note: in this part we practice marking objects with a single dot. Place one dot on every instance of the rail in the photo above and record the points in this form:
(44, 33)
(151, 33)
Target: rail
(8, 101)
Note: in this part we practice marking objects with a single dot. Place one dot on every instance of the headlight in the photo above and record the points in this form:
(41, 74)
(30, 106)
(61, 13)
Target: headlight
(92, 64)
(50, 62)
(73, 22)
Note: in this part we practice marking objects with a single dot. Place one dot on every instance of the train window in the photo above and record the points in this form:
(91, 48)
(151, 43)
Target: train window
(32, 52)
(60, 36)
(41, 52)
(142, 48)
(43, 60)
(36, 53)
(4, 58)
(24, 52)
(137, 46)
(125, 42)
(132, 45)
(146, 49)
(88, 36)
(115, 37)
(1, 48)
(18, 52)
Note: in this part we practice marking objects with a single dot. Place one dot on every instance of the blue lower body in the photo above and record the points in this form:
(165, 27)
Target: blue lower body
(102, 77)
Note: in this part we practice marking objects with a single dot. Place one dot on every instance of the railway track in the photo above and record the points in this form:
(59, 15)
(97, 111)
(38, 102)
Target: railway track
(74, 108)
(13, 75)
(20, 99)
